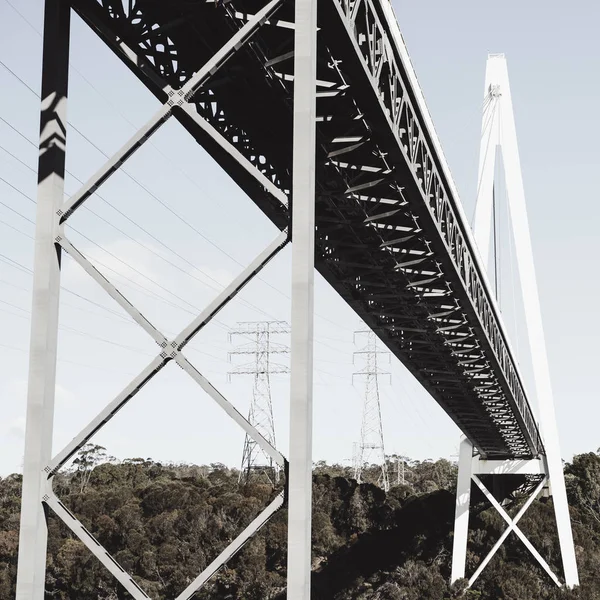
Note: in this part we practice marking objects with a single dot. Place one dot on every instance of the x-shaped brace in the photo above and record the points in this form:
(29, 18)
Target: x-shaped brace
(512, 526)
(170, 350)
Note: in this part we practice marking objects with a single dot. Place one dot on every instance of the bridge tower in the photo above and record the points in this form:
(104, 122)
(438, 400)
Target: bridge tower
(371, 449)
(499, 132)
(261, 367)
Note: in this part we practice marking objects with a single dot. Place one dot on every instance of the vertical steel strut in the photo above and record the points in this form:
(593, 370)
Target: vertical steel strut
(303, 260)
(46, 286)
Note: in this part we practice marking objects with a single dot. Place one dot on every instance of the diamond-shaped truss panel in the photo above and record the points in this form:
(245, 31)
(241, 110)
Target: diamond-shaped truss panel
(113, 272)
(170, 349)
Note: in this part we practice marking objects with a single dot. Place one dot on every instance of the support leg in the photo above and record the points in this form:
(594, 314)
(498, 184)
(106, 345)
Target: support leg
(46, 285)
(303, 251)
(535, 329)
(461, 517)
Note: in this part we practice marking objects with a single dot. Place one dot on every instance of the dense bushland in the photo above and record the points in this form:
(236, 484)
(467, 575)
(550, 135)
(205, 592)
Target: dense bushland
(165, 523)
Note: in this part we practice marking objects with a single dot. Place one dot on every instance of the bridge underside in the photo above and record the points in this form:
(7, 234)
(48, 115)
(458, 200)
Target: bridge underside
(388, 239)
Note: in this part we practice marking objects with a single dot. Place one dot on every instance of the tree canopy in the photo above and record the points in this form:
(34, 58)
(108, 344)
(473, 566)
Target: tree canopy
(165, 523)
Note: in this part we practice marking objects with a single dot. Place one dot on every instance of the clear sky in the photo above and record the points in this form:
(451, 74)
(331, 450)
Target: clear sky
(206, 229)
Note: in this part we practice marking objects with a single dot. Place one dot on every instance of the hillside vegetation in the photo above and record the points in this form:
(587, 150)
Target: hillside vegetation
(165, 523)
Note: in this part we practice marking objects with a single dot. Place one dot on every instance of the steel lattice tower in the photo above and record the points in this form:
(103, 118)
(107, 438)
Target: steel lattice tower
(371, 449)
(261, 407)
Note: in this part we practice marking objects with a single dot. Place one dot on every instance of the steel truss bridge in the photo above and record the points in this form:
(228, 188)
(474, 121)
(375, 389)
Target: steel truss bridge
(390, 238)
(390, 235)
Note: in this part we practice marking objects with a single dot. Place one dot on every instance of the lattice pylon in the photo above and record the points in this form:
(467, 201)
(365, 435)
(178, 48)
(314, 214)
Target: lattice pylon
(371, 448)
(51, 239)
(498, 131)
(260, 414)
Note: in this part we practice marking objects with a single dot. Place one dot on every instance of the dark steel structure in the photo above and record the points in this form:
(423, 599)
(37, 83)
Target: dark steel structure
(390, 239)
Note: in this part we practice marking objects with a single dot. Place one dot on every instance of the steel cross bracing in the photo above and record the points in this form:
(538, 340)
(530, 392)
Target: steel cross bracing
(473, 469)
(371, 449)
(170, 351)
(390, 235)
(53, 217)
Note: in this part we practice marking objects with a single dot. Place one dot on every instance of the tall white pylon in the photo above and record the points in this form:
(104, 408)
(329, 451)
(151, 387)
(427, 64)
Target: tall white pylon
(498, 130)
(261, 368)
(371, 450)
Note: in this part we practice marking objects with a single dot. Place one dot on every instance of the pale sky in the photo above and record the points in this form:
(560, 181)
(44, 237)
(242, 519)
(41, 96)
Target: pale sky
(209, 229)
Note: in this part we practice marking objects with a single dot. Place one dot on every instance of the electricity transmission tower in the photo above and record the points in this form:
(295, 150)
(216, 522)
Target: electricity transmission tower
(400, 479)
(260, 415)
(371, 449)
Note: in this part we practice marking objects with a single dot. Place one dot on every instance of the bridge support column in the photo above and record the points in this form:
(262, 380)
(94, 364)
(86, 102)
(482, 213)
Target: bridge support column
(52, 237)
(303, 254)
(31, 571)
(461, 515)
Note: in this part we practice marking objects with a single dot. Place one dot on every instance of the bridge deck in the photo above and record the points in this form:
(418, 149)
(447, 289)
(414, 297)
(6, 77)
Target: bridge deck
(390, 239)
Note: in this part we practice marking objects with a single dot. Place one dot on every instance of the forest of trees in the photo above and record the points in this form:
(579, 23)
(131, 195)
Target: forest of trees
(165, 523)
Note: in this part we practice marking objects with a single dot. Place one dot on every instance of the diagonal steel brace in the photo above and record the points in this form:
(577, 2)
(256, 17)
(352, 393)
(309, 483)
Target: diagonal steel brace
(512, 526)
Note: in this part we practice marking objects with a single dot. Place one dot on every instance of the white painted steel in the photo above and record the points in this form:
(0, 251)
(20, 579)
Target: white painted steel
(31, 569)
(176, 98)
(487, 161)
(208, 387)
(454, 197)
(232, 290)
(106, 414)
(50, 239)
(517, 531)
(461, 515)
(302, 318)
(236, 154)
(111, 290)
(535, 466)
(398, 43)
(497, 76)
(469, 467)
(115, 162)
(237, 40)
(170, 352)
(512, 526)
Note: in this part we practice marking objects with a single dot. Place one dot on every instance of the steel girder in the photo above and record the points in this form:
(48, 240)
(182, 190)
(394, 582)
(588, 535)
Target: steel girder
(389, 238)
